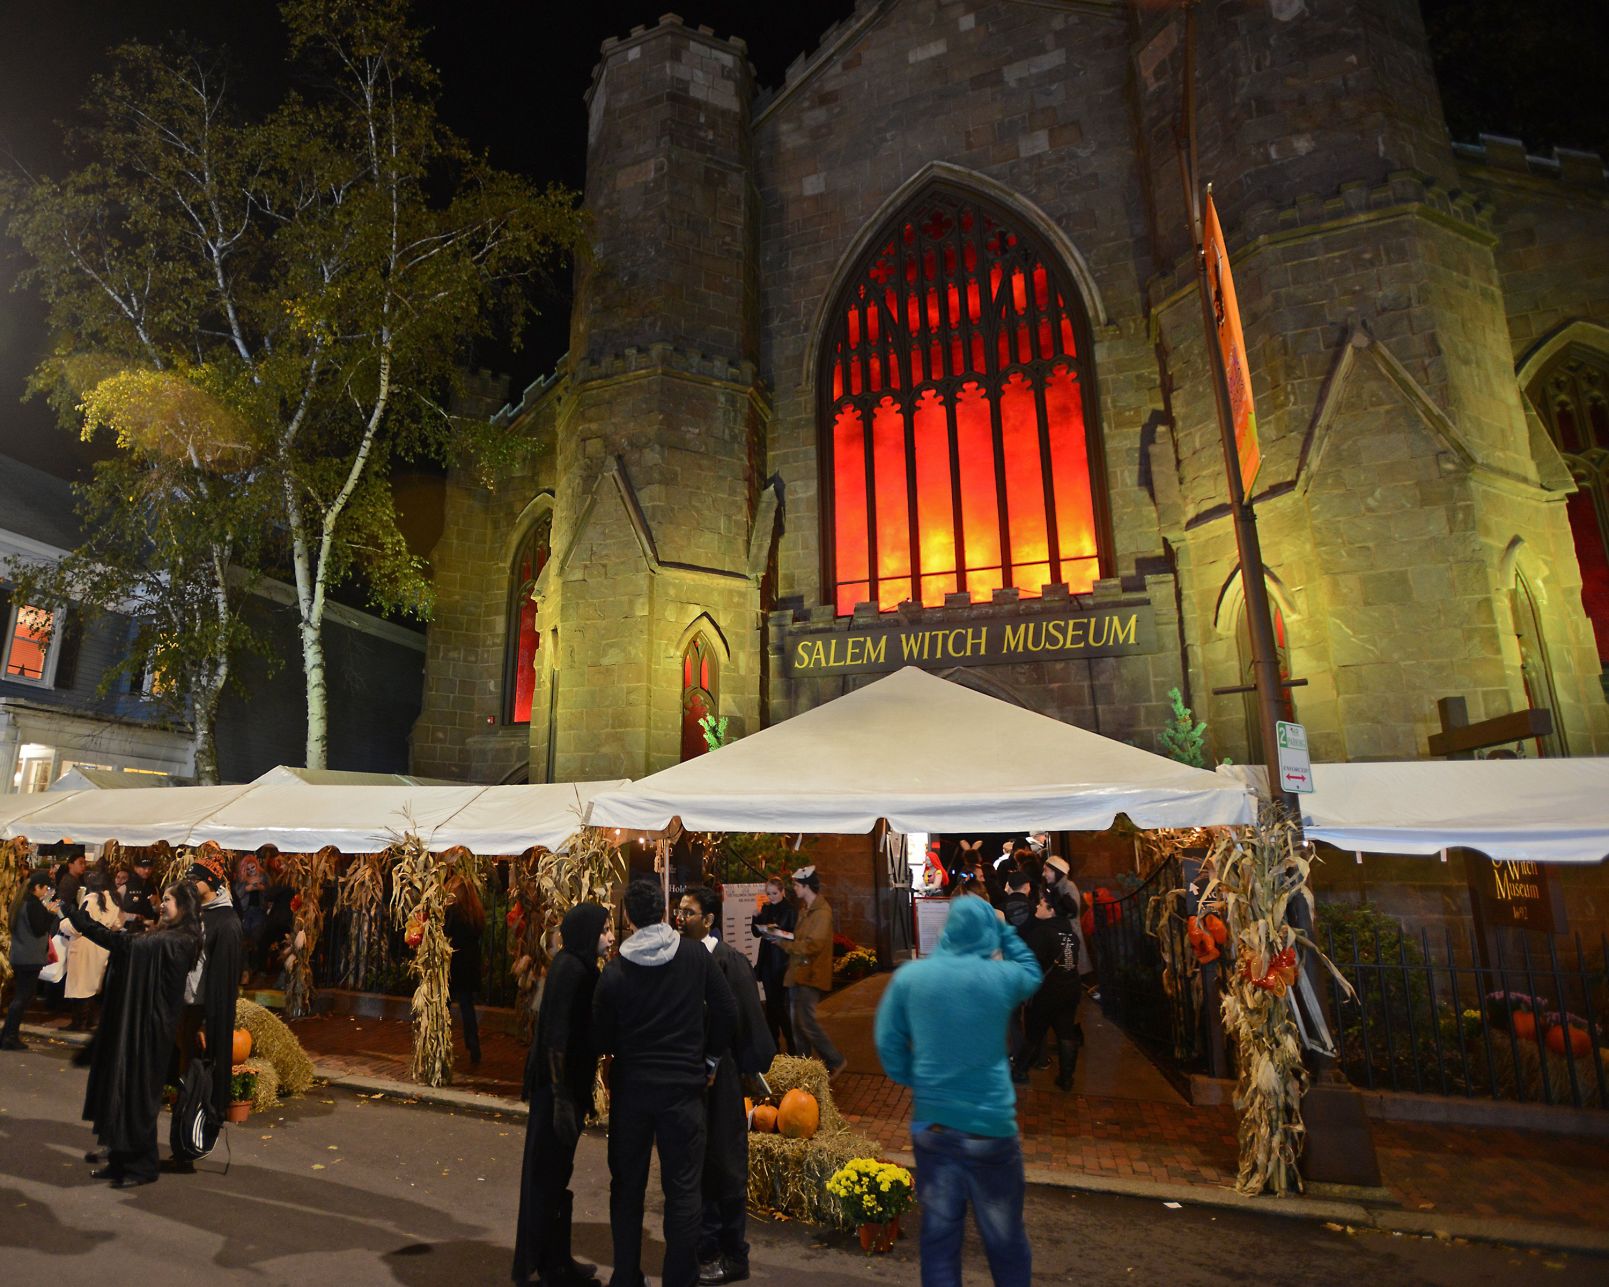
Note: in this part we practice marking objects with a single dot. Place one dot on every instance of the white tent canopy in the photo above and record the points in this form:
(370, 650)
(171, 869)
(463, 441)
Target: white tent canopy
(927, 755)
(1537, 810)
(285, 809)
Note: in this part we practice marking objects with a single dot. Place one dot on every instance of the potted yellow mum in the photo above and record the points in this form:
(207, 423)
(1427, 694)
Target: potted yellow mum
(873, 1195)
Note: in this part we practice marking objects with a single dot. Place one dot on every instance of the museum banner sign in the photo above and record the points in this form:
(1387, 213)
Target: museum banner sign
(1078, 632)
(1514, 894)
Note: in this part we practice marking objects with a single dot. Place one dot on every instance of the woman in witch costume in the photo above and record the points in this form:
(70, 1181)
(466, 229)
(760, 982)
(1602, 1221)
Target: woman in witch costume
(140, 1012)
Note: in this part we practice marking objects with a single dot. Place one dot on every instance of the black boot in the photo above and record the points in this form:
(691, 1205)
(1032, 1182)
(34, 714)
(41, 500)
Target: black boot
(560, 1269)
(1068, 1052)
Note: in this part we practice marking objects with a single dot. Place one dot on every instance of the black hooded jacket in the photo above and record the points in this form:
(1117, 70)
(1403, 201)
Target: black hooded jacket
(564, 1024)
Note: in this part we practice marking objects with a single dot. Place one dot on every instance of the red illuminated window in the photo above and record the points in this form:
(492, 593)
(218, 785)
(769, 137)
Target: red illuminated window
(699, 680)
(1572, 397)
(959, 433)
(523, 636)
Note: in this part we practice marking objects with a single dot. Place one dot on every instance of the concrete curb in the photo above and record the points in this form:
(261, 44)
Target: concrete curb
(1386, 1219)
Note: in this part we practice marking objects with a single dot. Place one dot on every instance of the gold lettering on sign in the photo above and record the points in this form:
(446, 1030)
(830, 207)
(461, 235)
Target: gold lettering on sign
(1515, 880)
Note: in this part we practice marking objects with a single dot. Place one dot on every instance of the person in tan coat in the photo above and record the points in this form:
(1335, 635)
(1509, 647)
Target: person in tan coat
(809, 976)
(86, 963)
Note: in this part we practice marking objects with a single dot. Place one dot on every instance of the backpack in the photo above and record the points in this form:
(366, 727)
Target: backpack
(195, 1120)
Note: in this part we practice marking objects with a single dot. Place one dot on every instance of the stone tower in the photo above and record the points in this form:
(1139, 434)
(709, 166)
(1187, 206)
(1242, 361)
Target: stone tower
(660, 531)
(1404, 497)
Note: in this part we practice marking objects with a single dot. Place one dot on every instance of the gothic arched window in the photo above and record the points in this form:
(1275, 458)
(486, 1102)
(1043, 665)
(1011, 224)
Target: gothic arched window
(959, 439)
(524, 638)
(1572, 397)
(700, 688)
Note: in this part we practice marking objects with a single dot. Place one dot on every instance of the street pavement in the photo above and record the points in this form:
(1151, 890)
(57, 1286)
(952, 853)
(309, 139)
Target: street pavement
(337, 1187)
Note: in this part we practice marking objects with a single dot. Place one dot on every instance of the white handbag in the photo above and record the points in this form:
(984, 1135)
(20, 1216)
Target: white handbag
(56, 971)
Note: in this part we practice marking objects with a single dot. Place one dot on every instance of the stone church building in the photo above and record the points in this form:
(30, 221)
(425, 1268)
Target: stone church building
(902, 360)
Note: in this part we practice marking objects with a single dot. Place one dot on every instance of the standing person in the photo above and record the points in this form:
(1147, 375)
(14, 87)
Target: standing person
(809, 976)
(1053, 937)
(723, 1252)
(250, 895)
(144, 993)
(1018, 904)
(32, 924)
(1059, 886)
(139, 902)
(213, 987)
(772, 967)
(964, 1111)
(558, 1085)
(70, 879)
(86, 963)
(665, 1013)
(464, 923)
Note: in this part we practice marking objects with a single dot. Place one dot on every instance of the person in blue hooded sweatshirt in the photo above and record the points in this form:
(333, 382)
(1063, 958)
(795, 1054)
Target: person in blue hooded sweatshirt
(964, 1109)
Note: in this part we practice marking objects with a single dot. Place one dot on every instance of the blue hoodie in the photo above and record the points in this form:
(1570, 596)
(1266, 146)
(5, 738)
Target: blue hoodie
(941, 1028)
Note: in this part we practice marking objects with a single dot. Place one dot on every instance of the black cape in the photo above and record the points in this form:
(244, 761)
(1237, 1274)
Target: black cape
(143, 994)
(220, 988)
(564, 1023)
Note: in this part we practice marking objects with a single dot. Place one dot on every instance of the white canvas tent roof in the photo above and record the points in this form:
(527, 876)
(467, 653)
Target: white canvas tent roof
(927, 755)
(81, 778)
(1538, 810)
(286, 810)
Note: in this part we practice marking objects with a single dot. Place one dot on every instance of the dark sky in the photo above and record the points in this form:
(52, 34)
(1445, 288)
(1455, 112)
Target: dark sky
(513, 72)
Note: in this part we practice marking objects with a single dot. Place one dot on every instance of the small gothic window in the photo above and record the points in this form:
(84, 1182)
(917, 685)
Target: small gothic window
(700, 680)
(1287, 704)
(1572, 397)
(958, 435)
(523, 636)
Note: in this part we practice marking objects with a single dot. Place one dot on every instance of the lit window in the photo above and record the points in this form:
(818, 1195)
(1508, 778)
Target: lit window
(699, 680)
(28, 645)
(523, 636)
(35, 767)
(958, 423)
(1572, 397)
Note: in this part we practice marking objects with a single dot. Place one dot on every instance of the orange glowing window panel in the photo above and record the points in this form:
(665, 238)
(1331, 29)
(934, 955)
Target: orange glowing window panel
(524, 638)
(960, 453)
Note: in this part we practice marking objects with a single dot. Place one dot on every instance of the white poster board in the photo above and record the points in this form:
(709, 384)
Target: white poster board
(1295, 768)
(931, 916)
(737, 911)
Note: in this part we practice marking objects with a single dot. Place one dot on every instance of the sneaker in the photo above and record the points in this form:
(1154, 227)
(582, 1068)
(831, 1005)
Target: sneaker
(723, 1270)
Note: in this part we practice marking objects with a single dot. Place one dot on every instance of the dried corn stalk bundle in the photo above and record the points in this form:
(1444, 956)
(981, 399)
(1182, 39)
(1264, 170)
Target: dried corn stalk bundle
(419, 903)
(361, 891)
(1254, 875)
(168, 864)
(15, 856)
(307, 874)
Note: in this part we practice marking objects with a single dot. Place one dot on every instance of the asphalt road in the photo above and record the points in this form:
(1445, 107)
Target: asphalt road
(339, 1188)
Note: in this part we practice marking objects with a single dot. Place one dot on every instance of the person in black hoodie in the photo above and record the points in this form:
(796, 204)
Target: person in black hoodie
(144, 993)
(1053, 938)
(723, 1252)
(665, 1013)
(558, 1085)
(772, 967)
(214, 986)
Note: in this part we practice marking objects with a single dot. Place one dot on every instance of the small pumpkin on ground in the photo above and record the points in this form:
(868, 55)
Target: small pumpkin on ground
(1578, 1040)
(1523, 1025)
(765, 1118)
(799, 1115)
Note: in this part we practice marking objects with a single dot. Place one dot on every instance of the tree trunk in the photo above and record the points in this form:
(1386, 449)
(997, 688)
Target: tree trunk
(205, 718)
(317, 693)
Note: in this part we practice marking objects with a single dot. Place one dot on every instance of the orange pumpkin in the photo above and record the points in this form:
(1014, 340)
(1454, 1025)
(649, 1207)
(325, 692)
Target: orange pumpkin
(1579, 1041)
(765, 1118)
(1523, 1025)
(1214, 925)
(799, 1115)
(240, 1048)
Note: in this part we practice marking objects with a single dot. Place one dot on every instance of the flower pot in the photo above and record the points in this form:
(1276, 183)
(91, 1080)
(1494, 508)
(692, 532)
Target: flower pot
(238, 1111)
(879, 1237)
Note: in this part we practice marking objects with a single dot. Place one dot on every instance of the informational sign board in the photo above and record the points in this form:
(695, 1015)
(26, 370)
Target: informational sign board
(1037, 636)
(1232, 345)
(737, 910)
(1295, 768)
(1513, 894)
(931, 916)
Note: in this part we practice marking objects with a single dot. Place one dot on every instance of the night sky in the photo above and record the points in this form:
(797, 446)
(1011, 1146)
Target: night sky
(514, 72)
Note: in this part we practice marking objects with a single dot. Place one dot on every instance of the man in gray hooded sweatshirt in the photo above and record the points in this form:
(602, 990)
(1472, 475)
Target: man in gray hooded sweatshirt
(666, 1014)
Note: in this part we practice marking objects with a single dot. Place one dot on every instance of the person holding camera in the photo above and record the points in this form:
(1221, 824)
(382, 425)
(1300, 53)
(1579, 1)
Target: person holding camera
(32, 924)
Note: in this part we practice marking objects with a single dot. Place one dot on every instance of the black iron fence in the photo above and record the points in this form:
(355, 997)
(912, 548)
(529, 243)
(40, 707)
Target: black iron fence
(1525, 1024)
(1145, 986)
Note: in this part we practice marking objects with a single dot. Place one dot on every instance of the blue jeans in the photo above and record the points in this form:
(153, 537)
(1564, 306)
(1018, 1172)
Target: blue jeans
(952, 1168)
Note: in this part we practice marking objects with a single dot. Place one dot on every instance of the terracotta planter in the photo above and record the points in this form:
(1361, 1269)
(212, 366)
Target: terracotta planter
(879, 1237)
(238, 1111)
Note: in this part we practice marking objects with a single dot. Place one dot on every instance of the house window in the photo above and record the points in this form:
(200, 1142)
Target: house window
(35, 770)
(29, 656)
(700, 678)
(959, 439)
(1285, 709)
(523, 636)
(1572, 397)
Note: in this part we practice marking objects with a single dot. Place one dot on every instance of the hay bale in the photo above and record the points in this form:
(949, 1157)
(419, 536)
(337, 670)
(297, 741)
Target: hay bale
(791, 1176)
(274, 1043)
(267, 1093)
(1527, 1086)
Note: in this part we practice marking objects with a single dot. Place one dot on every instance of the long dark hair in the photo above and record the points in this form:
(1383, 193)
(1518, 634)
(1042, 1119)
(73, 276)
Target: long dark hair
(468, 902)
(187, 898)
(95, 882)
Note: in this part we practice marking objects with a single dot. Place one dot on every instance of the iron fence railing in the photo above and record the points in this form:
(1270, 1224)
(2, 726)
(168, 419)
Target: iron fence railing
(1433, 1019)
